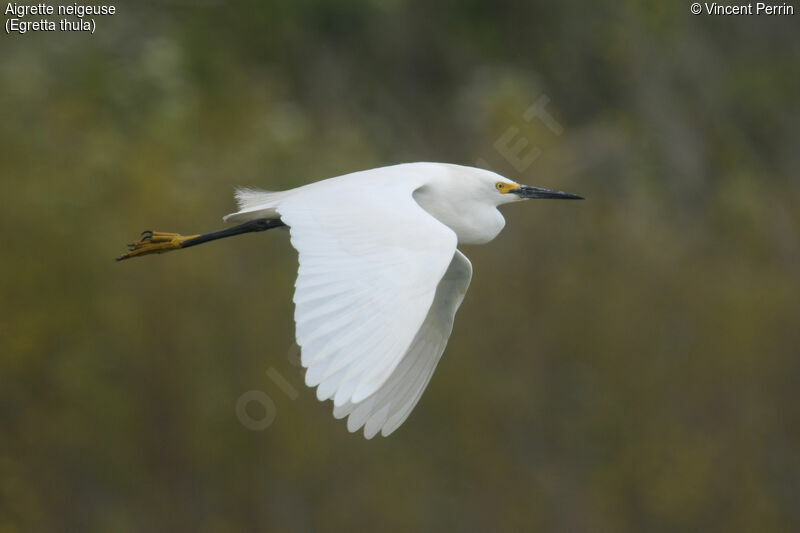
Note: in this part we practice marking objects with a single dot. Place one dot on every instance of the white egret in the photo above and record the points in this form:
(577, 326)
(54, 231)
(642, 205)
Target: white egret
(380, 277)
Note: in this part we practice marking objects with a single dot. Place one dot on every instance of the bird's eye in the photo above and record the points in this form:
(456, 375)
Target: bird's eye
(500, 186)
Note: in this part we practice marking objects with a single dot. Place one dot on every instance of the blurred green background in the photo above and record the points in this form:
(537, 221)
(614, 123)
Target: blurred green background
(642, 375)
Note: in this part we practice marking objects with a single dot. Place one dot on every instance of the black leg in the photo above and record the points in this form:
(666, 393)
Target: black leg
(248, 227)
(157, 242)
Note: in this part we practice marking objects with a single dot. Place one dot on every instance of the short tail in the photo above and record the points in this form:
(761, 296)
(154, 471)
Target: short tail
(255, 204)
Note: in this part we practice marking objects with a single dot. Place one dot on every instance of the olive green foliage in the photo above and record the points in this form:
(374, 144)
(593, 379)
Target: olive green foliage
(626, 363)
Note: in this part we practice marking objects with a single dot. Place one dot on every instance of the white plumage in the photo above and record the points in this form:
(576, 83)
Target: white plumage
(380, 278)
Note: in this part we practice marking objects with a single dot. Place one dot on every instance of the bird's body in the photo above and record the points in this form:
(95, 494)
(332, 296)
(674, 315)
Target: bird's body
(380, 277)
(431, 185)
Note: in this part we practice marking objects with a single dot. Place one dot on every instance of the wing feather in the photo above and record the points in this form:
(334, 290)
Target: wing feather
(390, 405)
(371, 260)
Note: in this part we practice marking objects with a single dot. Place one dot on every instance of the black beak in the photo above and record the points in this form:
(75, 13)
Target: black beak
(526, 191)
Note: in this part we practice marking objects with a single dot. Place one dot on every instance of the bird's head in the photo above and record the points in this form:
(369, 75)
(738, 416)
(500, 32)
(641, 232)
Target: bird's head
(455, 189)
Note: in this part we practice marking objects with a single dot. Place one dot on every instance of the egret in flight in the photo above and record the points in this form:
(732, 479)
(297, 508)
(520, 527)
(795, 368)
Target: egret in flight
(380, 275)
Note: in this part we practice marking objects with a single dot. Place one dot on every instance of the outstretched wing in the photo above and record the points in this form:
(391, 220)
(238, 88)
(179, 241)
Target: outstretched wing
(391, 404)
(370, 262)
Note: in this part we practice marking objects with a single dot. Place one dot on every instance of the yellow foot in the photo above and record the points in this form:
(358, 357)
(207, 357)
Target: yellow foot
(155, 242)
